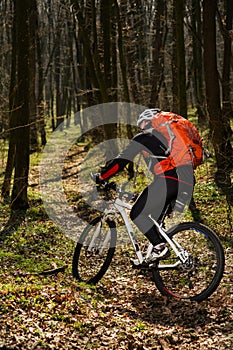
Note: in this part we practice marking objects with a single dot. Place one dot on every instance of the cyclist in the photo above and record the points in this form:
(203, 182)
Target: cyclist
(161, 191)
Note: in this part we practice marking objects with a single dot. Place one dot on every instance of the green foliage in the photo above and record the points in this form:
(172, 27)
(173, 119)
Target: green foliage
(211, 201)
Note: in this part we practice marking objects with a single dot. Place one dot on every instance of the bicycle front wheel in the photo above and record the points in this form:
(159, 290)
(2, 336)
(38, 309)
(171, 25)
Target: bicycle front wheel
(202, 273)
(94, 250)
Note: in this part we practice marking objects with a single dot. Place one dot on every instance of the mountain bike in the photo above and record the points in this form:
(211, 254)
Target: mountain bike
(193, 270)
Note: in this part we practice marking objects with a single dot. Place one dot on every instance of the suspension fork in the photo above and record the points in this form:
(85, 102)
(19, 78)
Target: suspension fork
(92, 243)
(130, 230)
(107, 238)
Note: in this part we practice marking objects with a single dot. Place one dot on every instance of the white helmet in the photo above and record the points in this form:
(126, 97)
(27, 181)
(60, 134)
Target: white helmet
(148, 114)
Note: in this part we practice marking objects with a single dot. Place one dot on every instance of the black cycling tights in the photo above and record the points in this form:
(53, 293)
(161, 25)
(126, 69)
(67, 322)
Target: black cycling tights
(152, 201)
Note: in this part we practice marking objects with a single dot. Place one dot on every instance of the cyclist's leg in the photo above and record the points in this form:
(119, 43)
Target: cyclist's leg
(186, 182)
(152, 201)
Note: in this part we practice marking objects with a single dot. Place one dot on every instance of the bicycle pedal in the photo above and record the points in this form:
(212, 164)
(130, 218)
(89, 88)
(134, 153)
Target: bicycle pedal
(153, 262)
(166, 255)
(139, 266)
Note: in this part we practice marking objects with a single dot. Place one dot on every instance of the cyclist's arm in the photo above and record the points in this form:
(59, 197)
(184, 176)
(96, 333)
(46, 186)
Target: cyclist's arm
(118, 164)
(145, 141)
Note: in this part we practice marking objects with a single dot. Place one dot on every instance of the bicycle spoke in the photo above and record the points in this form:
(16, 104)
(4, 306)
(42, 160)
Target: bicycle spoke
(201, 274)
(94, 251)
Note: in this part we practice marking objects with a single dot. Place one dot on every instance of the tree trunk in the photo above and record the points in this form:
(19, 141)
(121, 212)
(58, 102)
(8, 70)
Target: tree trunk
(181, 68)
(227, 61)
(105, 19)
(5, 192)
(40, 103)
(32, 81)
(92, 56)
(175, 104)
(110, 71)
(122, 58)
(218, 131)
(158, 43)
(19, 199)
(197, 61)
(59, 111)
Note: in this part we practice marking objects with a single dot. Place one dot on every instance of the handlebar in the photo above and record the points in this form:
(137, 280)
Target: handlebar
(109, 188)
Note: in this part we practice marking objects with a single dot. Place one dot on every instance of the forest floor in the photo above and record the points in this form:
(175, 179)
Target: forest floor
(124, 311)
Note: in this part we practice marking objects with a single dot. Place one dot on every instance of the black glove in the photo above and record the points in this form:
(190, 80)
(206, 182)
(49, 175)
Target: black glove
(96, 179)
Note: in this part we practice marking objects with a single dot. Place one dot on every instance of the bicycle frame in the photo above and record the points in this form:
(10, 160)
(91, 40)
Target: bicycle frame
(120, 207)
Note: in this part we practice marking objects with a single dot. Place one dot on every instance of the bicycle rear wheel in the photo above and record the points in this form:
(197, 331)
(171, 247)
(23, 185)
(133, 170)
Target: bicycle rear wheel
(200, 277)
(94, 250)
